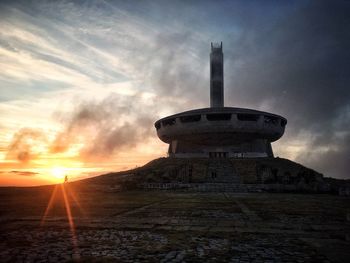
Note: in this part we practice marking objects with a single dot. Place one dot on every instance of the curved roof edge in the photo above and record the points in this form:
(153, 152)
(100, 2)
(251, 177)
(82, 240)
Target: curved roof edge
(219, 110)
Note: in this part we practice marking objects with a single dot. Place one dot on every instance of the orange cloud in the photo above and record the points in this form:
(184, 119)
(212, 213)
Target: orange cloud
(23, 146)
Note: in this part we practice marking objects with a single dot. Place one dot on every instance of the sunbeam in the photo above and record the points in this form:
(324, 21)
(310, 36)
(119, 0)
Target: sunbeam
(72, 194)
(65, 190)
(49, 206)
(70, 218)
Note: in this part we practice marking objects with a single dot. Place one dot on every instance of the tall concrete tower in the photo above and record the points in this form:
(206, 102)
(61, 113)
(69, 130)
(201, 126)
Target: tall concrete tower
(216, 76)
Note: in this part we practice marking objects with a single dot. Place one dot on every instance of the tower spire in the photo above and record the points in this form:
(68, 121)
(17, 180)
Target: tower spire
(216, 76)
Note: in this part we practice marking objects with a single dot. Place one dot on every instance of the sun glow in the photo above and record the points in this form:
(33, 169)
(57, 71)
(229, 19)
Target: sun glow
(58, 173)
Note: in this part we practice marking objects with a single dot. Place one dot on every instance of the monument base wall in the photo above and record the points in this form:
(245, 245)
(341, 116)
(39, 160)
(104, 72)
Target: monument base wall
(245, 149)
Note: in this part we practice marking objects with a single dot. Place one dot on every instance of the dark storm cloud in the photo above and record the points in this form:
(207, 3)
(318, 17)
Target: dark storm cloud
(335, 160)
(332, 143)
(301, 60)
(299, 67)
(178, 69)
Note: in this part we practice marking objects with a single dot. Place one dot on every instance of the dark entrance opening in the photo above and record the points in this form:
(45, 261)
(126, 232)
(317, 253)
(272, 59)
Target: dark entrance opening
(218, 154)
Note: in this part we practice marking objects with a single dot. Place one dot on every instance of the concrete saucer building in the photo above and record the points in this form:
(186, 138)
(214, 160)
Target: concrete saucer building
(219, 131)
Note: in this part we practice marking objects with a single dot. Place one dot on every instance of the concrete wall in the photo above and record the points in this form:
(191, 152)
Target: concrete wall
(252, 149)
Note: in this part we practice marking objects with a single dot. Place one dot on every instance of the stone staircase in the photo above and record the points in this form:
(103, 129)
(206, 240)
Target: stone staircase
(220, 170)
(246, 169)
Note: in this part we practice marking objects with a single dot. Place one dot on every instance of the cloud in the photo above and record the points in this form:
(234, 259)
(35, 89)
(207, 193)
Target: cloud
(297, 67)
(335, 159)
(20, 173)
(105, 127)
(24, 145)
(24, 173)
(94, 130)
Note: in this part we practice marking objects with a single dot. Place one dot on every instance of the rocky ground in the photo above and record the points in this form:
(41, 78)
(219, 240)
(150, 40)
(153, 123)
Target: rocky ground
(155, 226)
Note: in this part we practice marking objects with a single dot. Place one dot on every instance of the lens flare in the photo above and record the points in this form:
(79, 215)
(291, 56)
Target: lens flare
(66, 191)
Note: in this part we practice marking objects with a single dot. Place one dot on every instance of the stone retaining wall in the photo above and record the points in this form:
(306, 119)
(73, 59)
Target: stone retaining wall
(224, 187)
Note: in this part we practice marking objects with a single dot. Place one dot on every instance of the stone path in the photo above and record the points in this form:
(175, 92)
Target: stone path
(186, 227)
(54, 245)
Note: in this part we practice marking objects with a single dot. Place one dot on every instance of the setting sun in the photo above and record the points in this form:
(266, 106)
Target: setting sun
(58, 172)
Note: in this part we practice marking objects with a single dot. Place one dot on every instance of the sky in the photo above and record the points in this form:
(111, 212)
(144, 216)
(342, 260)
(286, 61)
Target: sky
(82, 82)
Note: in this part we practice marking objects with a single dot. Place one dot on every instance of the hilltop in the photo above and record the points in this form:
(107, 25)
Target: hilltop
(228, 175)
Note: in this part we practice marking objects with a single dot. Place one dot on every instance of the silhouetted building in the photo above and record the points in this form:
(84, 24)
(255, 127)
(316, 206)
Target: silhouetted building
(218, 131)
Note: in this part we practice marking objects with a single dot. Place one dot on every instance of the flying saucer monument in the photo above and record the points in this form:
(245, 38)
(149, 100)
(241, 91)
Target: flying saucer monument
(219, 131)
